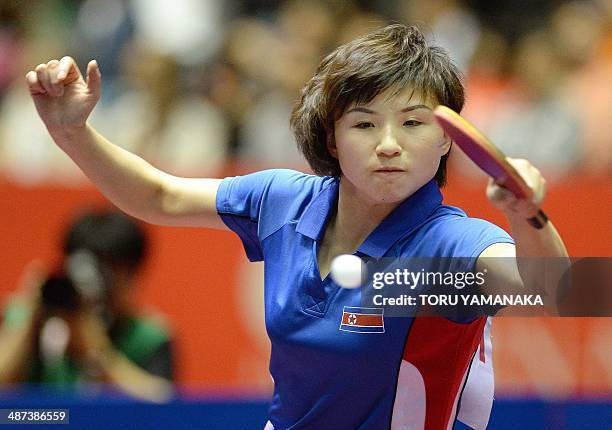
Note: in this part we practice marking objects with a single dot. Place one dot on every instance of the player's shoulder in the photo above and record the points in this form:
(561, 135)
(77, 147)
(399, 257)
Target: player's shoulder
(449, 231)
(294, 179)
(453, 220)
(467, 236)
(285, 181)
(281, 187)
(285, 195)
(286, 186)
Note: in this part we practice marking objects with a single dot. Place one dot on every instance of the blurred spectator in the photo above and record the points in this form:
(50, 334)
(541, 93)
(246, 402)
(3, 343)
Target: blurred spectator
(582, 35)
(358, 23)
(490, 88)
(161, 117)
(450, 23)
(190, 30)
(11, 37)
(233, 93)
(199, 84)
(514, 18)
(539, 127)
(489, 85)
(27, 153)
(101, 29)
(278, 63)
(81, 324)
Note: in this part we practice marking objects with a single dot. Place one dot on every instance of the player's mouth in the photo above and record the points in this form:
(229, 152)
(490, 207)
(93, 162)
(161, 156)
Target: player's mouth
(389, 170)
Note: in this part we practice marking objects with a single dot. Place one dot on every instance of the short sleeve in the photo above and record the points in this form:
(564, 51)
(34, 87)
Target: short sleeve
(256, 205)
(470, 237)
(473, 238)
(453, 242)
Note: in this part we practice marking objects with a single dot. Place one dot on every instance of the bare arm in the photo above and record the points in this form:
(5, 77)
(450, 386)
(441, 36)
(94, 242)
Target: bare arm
(138, 188)
(539, 260)
(64, 101)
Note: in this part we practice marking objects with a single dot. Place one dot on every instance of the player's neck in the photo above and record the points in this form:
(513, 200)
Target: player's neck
(356, 217)
(349, 227)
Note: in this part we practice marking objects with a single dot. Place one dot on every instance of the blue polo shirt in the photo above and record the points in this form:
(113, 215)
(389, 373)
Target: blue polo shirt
(326, 377)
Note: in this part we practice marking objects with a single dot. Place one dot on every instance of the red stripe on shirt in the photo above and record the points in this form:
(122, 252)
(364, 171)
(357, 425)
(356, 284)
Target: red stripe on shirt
(442, 350)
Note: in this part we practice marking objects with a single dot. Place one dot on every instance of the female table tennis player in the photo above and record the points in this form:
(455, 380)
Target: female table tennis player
(364, 123)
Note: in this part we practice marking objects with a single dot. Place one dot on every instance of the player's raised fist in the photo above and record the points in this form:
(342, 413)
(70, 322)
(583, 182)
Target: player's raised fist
(63, 98)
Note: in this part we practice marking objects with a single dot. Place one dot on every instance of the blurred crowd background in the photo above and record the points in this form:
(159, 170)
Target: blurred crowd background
(203, 83)
(206, 87)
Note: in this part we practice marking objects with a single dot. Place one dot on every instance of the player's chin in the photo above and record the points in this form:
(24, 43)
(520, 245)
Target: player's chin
(394, 188)
(386, 195)
(389, 181)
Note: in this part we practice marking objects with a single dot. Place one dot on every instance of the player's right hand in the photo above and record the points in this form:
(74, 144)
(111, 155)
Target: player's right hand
(63, 98)
(508, 202)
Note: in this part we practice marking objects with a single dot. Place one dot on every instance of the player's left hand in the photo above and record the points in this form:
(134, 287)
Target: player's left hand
(508, 203)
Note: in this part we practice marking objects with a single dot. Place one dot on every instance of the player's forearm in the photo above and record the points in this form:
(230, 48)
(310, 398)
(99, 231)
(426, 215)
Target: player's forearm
(533, 242)
(131, 183)
(542, 258)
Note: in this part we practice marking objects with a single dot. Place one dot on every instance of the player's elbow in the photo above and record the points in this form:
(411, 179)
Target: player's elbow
(148, 208)
(167, 204)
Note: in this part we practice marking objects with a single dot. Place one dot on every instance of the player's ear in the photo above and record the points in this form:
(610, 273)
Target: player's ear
(331, 146)
(446, 143)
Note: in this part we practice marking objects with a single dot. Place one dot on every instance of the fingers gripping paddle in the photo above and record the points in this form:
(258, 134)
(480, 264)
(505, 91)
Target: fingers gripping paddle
(486, 156)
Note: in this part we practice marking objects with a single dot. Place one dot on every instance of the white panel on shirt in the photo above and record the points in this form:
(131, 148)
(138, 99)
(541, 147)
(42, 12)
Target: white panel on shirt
(477, 397)
(409, 407)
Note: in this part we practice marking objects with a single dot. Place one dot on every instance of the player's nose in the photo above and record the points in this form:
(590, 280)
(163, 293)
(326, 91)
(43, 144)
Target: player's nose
(388, 145)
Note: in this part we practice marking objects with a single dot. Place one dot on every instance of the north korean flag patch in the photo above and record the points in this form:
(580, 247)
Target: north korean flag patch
(362, 320)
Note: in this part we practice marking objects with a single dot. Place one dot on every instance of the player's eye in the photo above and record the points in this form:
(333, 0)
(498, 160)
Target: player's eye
(363, 125)
(412, 123)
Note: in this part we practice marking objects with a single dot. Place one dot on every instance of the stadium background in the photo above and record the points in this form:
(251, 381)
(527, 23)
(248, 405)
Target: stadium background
(205, 89)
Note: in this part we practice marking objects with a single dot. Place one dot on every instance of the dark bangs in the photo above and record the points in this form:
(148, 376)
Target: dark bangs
(393, 58)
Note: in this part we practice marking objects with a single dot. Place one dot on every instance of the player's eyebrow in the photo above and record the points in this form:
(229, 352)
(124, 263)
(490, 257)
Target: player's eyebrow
(414, 107)
(370, 111)
(360, 109)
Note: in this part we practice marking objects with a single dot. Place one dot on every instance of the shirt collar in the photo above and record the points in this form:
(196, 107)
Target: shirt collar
(314, 219)
(411, 213)
(405, 218)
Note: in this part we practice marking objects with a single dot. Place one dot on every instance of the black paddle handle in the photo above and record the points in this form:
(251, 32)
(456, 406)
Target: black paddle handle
(538, 221)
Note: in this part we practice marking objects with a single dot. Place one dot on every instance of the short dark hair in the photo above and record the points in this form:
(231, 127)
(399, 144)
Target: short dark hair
(393, 57)
(110, 235)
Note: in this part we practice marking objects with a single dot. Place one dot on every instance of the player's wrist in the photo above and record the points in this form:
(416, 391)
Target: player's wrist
(514, 215)
(534, 219)
(68, 134)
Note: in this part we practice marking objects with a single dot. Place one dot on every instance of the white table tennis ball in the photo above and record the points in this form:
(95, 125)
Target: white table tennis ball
(346, 270)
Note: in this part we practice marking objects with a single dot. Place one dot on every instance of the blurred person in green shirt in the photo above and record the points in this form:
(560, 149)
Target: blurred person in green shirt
(80, 325)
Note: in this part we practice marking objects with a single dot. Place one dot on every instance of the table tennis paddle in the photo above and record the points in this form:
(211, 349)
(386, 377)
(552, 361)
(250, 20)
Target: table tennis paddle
(486, 156)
